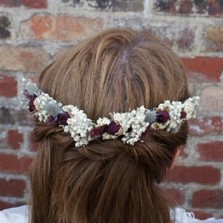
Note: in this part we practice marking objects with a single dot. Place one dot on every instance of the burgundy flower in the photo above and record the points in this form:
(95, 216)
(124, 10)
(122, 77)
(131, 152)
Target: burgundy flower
(31, 99)
(62, 118)
(31, 103)
(162, 116)
(97, 132)
(113, 128)
(183, 114)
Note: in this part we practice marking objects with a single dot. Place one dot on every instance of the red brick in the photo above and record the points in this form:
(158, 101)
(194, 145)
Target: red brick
(11, 163)
(8, 86)
(212, 151)
(185, 7)
(206, 125)
(215, 7)
(186, 39)
(65, 28)
(165, 6)
(34, 3)
(27, 3)
(23, 59)
(4, 205)
(182, 6)
(12, 188)
(15, 139)
(10, 3)
(212, 98)
(202, 175)
(202, 215)
(177, 195)
(208, 199)
(14, 116)
(213, 38)
(204, 68)
(33, 145)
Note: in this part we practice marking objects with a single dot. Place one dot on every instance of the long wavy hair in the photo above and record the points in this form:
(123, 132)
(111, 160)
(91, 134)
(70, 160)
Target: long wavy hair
(107, 181)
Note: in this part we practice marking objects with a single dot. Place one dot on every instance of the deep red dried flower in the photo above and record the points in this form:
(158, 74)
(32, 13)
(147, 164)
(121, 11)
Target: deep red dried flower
(97, 132)
(31, 103)
(183, 114)
(113, 128)
(62, 118)
(162, 116)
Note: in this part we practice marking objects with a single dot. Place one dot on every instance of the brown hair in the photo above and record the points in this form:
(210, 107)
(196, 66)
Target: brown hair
(107, 181)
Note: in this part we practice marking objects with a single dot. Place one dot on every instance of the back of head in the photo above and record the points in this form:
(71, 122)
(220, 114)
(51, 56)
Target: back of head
(107, 181)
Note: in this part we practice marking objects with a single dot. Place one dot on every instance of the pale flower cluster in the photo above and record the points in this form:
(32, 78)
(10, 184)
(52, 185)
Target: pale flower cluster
(190, 106)
(134, 120)
(31, 88)
(78, 125)
(174, 109)
(46, 107)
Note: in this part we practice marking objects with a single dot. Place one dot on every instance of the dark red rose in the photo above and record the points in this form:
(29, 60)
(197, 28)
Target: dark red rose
(31, 99)
(162, 116)
(113, 128)
(31, 103)
(62, 118)
(183, 114)
(97, 132)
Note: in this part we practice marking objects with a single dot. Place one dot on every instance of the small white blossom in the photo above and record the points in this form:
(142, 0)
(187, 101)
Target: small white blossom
(41, 103)
(79, 125)
(103, 121)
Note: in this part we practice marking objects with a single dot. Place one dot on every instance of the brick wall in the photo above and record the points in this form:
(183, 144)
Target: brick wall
(33, 32)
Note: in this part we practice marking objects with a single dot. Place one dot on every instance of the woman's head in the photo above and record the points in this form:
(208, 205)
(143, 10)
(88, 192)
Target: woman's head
(107, 181)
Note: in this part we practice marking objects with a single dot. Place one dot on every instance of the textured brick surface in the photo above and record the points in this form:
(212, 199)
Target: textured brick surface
(212, 98)
(113, 5)
(12, 188)
(60, 28)
(8, 86)
(22, 59)
(10, 163)
(202, 215)
(214, 38)
(15, 139)
(185, 6)
(212, 151)
(208, 199)
(202, 175)
(186, 39)
(206, 125)
(177, 195)
(215, 7)
(204, 68)
(27, 3)
(190, 7)
(13, 116)
(4, 205)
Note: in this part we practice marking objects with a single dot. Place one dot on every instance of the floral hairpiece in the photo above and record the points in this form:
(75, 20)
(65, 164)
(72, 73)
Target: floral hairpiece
(130, 126)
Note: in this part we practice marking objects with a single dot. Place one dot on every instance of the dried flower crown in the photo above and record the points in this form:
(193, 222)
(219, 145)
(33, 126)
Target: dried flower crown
(130, 126)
